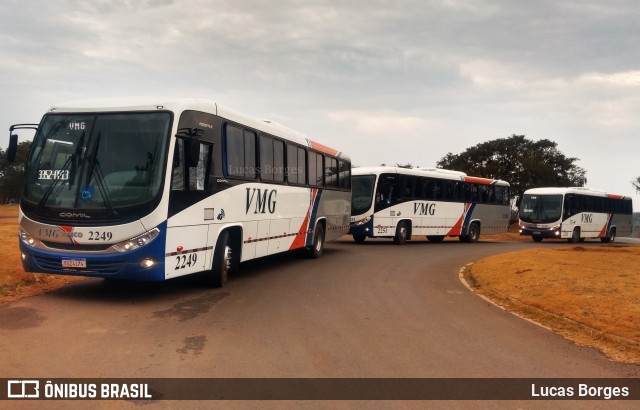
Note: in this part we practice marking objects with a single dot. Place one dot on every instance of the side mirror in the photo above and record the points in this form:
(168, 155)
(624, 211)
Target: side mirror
(13, 139)
(13, 147)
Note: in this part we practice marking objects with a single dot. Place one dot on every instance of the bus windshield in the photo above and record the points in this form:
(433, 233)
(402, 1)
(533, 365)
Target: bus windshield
(541, 208)
(362, 193)
(97, 162)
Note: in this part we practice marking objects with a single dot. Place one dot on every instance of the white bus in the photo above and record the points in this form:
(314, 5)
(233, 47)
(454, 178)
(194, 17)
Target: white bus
(155, 189)
(400, 203)
(574, 214)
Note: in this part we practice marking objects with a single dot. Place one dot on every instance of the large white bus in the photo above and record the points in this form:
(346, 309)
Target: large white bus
(574, 214)
(153, 189)
(400, 203)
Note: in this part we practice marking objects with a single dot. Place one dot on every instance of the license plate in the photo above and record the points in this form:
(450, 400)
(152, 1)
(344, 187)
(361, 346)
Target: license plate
(537, 233)
(74, 263)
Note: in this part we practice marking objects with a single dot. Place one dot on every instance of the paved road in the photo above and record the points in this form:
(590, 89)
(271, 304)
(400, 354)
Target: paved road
(372, 310)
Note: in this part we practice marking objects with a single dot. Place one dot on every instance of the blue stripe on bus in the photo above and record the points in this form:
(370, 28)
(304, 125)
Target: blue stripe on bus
(312, 217)
(467, 219)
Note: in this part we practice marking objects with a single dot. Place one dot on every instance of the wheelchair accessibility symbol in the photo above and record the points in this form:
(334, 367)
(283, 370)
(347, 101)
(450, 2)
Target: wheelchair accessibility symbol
(86, 194)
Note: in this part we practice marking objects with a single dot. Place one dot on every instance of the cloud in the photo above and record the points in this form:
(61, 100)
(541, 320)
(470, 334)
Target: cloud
(381, 123)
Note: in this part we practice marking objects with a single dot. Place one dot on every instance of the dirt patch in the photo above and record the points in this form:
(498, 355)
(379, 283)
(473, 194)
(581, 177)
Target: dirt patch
(15, 283)
(588, 294)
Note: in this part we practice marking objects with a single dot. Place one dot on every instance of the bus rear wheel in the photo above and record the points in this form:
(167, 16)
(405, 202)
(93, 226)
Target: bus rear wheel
(402, 233)
(473, 234)
(611, 238)
(222, 261)
(316, 249)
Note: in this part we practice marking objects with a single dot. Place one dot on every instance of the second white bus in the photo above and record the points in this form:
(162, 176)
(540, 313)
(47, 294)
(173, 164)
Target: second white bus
(400, 203)
(574, 214)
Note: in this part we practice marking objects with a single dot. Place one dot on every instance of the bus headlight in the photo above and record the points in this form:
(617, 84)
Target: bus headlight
(137, 242)
(27, 238)
(362, 221)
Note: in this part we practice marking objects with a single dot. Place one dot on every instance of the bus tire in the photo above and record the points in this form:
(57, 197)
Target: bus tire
(537, 238)
(359, 238)
(611, 238)
(575, 236)
(435, 238)
(473, 233)
(222, 261)
(402, 233)
(317, 247)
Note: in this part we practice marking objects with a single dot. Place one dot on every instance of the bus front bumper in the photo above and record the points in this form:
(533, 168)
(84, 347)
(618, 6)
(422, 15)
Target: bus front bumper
(144, 264)
(364, 227)
(553, 232)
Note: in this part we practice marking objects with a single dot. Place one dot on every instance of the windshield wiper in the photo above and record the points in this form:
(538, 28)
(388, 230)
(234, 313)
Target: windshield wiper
(70, 162)
(96, 169)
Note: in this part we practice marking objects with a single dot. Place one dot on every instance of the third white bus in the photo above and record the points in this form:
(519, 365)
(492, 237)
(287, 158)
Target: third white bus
(574, 214)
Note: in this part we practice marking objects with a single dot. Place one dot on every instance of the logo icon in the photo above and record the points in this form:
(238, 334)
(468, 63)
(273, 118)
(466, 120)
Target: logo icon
(23, 389)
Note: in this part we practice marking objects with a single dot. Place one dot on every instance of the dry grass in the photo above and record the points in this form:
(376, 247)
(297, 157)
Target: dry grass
(590, 295)
(14, 282)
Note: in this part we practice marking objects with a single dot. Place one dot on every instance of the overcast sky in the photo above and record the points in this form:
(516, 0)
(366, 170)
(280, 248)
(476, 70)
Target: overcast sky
(384, 81)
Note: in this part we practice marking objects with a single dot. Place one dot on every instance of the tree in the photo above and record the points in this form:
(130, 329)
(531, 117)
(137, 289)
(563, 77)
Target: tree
(11, 173)
(636, 184)
(521, 162)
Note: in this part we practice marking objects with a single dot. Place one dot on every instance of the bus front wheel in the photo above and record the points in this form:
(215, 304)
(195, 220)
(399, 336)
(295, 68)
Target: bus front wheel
(402, 233)
(359, 238)
(222, 261)
(575, 236)
(537, 238)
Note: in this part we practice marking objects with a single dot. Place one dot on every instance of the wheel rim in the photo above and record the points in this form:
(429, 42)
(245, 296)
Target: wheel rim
(318, 242)
(226, 261)
(403, 233)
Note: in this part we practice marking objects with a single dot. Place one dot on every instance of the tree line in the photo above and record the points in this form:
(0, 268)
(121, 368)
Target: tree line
(11, 173)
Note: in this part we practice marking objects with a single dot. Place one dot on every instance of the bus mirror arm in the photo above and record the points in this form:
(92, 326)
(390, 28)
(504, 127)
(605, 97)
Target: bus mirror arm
(192, 152)
(13, 139)
(191, 144)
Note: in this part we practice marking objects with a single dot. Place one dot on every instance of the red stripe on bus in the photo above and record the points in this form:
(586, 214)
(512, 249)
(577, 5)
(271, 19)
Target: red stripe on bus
(323, 148)
(300, 240)
(477, 180)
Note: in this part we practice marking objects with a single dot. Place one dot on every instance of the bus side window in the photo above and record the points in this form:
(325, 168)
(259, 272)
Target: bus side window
(178, 174)
(567, 206)
(198, 174)
(190, 178)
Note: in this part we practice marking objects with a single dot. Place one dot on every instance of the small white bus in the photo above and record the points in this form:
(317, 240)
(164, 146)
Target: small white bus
(401, 203)
(152, 189)
(574, 214)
